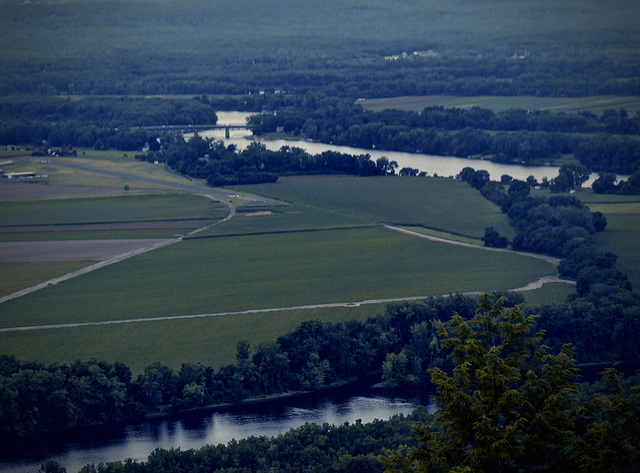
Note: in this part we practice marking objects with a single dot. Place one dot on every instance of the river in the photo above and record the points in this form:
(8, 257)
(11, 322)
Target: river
(443, 166)
(136, 440)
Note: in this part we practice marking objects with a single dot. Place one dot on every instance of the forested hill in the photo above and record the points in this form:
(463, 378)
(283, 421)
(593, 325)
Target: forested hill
(346, 48)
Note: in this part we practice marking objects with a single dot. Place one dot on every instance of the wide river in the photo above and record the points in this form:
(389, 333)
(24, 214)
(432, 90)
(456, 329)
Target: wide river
(136, 440)
(441, 165)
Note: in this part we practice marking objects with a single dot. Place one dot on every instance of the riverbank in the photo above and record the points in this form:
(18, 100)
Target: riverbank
(267, 416)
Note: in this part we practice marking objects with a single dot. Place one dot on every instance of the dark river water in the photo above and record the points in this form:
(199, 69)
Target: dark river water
(136, 440)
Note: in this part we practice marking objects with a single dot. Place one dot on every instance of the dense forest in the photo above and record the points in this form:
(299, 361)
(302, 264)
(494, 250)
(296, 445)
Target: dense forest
(492, 47)
(222, 165)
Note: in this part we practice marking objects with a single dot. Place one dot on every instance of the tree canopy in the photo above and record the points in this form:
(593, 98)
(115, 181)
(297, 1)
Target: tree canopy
(510, 405)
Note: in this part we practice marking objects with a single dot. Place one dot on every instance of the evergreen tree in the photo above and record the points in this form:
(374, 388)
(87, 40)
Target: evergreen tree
(508, 406)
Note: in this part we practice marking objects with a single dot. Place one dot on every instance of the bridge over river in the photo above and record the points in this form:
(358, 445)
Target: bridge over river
(193, 128)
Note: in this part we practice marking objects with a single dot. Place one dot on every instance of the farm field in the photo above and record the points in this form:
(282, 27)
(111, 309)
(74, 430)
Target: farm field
(268, 256)
(439, 204)
(623, 226)
(212, 275)
(18, 275)
(595, 104)
(53, 228)
(102, 210)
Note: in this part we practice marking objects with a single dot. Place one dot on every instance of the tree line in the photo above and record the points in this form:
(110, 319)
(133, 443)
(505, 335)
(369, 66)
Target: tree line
(602, 143)
(104, 123)
(222, 165)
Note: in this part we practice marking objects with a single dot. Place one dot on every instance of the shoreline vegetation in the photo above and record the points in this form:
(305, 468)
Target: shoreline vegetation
(589, 372)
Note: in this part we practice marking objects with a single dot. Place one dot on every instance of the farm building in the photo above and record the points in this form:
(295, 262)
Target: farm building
(19, 175)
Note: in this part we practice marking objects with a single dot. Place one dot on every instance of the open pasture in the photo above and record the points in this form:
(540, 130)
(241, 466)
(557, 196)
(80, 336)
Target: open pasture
(623, 227)
(212, 275)
(133, 207)
(595, 104)
(445, 205)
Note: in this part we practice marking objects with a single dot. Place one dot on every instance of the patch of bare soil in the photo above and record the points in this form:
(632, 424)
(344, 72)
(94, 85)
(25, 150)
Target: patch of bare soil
(256, 214)
(69, 250)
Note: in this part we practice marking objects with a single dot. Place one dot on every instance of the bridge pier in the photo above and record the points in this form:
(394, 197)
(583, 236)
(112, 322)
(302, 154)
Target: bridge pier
(226, 133)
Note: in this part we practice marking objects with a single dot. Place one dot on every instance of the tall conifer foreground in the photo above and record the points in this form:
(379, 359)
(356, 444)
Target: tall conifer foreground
(512, 406)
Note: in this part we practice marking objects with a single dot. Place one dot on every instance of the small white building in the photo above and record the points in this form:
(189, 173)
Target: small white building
(19, 175)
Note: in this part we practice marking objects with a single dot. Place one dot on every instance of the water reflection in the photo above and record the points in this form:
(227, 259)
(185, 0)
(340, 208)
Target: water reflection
(137, 440)
(440, 165)
(443, 166)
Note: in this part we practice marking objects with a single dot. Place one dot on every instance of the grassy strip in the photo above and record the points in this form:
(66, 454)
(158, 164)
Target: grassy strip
(283, 218)
(595, 104)
(211, 341)
(130, 172)
(441, 204)
(273, 270)
(16, 276)
(549, 293)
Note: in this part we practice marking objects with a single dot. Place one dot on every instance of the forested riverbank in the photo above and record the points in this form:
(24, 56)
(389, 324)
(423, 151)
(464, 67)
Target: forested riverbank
(606, 411)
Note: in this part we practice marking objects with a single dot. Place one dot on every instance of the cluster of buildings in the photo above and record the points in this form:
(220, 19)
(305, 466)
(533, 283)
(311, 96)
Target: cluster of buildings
(17, 174)
(429, 53)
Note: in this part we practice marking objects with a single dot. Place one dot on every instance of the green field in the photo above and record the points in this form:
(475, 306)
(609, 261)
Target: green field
(595, 104)
(623, 228)
(108, 209)
(325, 243)
(284, 218)
(445, 205)
(213, 275)
(16, 276)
